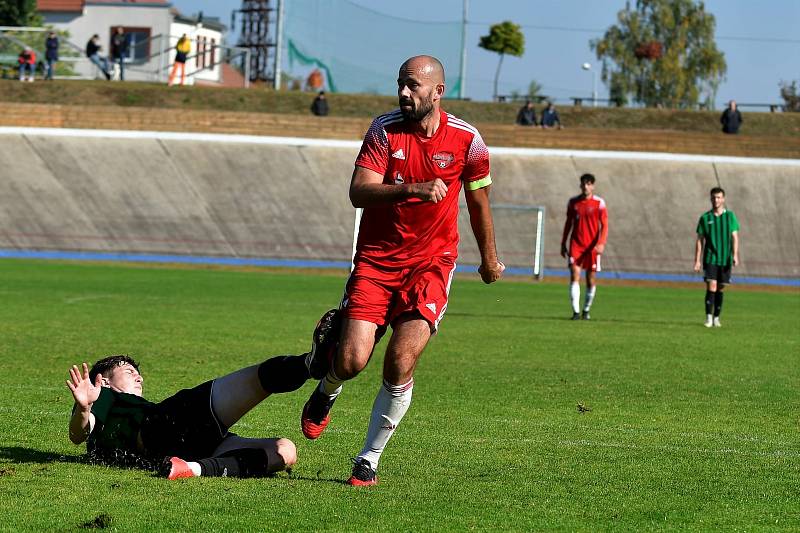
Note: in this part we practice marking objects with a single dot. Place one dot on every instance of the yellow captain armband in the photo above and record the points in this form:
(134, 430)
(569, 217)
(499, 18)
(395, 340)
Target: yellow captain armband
(479, 184)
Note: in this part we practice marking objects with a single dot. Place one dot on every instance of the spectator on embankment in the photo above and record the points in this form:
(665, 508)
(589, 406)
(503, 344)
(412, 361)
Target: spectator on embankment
(731, 119)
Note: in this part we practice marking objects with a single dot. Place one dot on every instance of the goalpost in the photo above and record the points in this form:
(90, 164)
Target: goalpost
(519, 234)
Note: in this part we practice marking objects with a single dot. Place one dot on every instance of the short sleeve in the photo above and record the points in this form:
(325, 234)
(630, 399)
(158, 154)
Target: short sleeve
(102, 406)
(476, 174)
(374, 153)
(700, 228)
(734, 222)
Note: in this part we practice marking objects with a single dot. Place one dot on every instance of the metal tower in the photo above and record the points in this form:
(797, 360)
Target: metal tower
(260, 32)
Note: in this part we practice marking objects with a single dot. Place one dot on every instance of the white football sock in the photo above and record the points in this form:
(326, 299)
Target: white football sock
(195, 468)
(390, 405)
(575, 296)
(587, 304)
(331, 384)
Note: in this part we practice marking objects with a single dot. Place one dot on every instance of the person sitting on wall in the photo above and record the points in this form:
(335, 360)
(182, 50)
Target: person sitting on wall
(527, 115)
(320, 105)
(550, 117)
(27, 63)
(93, 48)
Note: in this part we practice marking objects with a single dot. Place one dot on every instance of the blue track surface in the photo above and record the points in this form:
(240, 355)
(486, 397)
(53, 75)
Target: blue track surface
(296, 263)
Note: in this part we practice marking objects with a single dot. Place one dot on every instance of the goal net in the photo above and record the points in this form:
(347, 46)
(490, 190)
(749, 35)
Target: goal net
(519, 234)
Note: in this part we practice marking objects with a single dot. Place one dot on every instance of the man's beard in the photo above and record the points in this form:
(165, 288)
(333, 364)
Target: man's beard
(416, 114)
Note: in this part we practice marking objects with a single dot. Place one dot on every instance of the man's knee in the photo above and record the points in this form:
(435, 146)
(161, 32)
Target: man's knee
(355, 350)
(287, 450)
(349, 363)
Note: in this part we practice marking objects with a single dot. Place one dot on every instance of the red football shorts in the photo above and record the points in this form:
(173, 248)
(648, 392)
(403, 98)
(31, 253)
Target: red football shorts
(379, 295)
(586, 258)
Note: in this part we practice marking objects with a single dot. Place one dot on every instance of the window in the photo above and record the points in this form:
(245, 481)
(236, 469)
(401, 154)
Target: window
(201, 53)
(139, 38)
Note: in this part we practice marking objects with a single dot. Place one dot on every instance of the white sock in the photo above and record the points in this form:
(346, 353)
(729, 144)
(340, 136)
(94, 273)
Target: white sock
(195, 468)
(575, 296)
(331, 384)
(587, 304)
(390, 405)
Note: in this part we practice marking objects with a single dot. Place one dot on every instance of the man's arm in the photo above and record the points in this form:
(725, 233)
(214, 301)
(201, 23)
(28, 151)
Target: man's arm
(567, 230)
(735, 237)
(368, 190)
(480, 218)
(85, 394)
(698, 253)
(601, 241)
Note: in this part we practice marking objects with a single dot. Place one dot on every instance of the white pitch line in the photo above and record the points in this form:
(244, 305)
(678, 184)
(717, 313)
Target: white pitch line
(332, 143)
(77, 299)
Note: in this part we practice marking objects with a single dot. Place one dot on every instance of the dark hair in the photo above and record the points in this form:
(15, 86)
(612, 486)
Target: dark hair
(105, 366)
(716, 190)
(587, 178)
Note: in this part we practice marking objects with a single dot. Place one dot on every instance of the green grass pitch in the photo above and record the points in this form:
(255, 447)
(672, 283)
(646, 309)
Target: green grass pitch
(682, 427)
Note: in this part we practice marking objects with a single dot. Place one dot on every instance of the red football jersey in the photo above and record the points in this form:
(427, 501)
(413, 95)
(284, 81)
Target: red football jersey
(407, 232)
(587, 216)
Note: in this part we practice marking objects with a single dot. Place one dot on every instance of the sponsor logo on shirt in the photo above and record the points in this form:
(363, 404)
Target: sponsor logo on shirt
(443, 159)
(398, 179)
(399, 154)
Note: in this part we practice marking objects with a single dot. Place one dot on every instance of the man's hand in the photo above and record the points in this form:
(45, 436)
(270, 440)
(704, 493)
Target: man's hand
(83, 390)
(600, 248)
(735, 259)
(430, 191)
(564, 250)
(697, 266)
(490, 274)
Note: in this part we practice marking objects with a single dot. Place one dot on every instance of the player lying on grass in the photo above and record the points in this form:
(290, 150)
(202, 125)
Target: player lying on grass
(188, 434)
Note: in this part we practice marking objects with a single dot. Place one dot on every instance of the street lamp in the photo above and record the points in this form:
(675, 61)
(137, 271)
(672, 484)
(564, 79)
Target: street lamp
(588, 66)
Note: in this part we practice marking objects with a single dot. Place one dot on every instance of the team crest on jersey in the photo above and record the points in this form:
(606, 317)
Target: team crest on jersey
(398, 179)
(443, 159)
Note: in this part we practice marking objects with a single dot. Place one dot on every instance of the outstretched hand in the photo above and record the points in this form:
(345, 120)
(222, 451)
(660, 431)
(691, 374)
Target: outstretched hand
(491, 273)
(83, 390)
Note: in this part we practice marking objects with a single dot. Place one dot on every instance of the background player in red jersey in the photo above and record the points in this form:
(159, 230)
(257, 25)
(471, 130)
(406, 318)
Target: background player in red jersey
(587, 221)
(408, 176)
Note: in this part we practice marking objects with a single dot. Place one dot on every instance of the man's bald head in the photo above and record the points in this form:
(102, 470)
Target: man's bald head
(425, 66)
(420, 87)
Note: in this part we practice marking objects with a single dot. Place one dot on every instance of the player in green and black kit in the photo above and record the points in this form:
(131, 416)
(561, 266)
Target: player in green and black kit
(718, 248)
(189, 431)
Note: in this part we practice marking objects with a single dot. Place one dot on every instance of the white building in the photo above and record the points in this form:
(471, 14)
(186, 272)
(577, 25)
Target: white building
(154, 29)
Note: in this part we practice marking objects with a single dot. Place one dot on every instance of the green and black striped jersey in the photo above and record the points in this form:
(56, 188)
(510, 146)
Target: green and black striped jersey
(717, 232)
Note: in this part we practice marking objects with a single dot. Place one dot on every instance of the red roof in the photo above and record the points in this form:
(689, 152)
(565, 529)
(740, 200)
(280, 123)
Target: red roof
(150, 2)
(77, 5)
(59, 5)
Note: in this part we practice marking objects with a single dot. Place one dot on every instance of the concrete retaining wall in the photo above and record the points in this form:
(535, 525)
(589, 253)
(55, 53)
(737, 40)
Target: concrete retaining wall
(206, 197)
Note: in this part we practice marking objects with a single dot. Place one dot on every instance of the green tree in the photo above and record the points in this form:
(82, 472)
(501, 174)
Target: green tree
(504, 38)
(19, 13)
(535, 91)
(790, 95)
(662, 53)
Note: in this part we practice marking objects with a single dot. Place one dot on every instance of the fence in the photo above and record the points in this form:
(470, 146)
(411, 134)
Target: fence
(148, 60)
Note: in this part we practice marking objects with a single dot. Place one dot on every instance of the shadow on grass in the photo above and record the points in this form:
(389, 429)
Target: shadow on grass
(568, 318)
(317, 479)
(20, 455)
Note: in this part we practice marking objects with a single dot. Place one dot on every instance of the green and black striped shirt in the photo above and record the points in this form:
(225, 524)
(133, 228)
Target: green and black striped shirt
(717, 233)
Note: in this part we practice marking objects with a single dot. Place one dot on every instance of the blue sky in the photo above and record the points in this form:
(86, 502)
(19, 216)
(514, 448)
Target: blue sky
(760, 40)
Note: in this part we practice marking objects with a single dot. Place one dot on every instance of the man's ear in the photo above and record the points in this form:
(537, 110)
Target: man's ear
(100, 381)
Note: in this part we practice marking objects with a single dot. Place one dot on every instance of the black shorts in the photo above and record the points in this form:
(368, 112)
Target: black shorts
(720, 274)
(184, 425)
